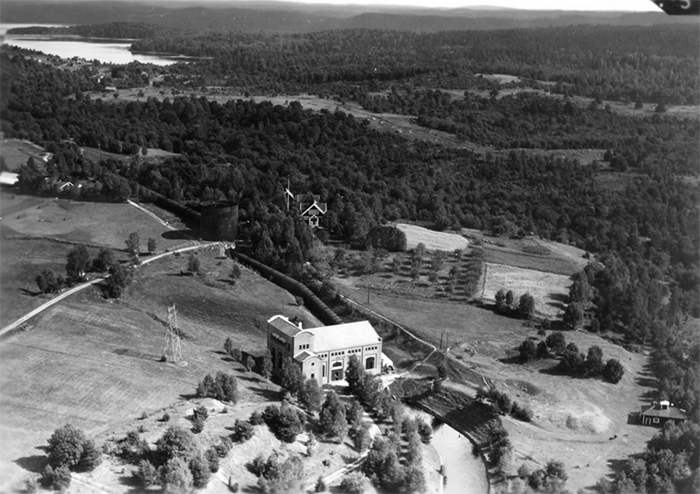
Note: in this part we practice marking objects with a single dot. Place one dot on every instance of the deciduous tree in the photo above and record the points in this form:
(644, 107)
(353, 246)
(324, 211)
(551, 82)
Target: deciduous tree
(78, 263)
(133, 244)
(332, 421)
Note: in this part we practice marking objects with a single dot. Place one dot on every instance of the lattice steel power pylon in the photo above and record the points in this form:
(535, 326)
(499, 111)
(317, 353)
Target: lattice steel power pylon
(173, 346)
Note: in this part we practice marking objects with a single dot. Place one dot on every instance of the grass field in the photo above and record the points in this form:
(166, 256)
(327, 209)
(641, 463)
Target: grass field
(431, 239)
(95, 363)
(16, 152)
(101, 223)
(551, 291)
(530, 253)
(22, 261)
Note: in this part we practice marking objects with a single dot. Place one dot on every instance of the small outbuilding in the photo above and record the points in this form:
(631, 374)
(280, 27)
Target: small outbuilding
(8, 178)
(658, 413)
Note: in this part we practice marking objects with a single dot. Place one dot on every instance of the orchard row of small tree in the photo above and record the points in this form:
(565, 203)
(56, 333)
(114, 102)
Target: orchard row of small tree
(505, 304)
(504, 404)
(572, 361)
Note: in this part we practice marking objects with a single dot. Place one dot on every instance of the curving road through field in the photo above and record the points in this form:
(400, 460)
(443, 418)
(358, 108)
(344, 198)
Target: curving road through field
(78, 288)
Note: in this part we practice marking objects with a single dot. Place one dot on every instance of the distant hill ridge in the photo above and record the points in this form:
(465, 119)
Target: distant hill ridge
(283, 17)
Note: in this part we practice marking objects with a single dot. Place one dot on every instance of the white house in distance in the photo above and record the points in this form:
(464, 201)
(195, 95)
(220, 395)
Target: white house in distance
(323, 353)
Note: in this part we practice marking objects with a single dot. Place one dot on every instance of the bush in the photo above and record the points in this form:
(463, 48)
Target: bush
(68, 446)
(197, 425)
(201, 473)
(165, 417)
(193, 264)
(613, 371)
(424, 430)
(57, 479)
(48, 282)
(256, 418)
(242, 431)
(223, 447)
(285, 422)
(354, 483)
(320, 485)
(223, 387)
(175, 476)
(528, 350)
(176, 442)
(200, 412)
(146, 475)
(521, 413)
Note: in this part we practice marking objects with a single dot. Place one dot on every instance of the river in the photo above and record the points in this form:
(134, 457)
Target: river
(465, 473)
(106, 51)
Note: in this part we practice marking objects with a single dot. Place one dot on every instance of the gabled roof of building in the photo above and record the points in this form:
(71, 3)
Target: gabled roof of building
(655, 410)
(341, 336)
(305, 355)
(321, 207)
(284, 325)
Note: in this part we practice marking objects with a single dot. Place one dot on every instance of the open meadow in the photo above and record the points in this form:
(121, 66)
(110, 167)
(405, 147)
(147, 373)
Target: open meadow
(550, 291)
(431, 239)
(96, 363)
(16, 152)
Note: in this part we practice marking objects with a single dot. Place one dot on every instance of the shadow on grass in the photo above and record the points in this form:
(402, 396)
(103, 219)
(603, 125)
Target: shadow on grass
(268, 394)
(180, 234)
(34, 464)
(616, 465)
(633, 418)
(188, 396)
(252, 379)
(29, 293)
(513, 359)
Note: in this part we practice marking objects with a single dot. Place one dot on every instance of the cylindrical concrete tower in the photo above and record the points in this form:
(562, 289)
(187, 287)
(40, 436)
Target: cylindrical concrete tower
(219, 221)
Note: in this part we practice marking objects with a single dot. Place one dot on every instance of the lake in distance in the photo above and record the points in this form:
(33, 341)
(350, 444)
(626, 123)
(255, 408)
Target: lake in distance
(106, 51)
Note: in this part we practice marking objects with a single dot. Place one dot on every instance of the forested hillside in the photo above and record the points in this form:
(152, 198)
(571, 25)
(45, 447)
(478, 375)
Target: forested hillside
(651, 64)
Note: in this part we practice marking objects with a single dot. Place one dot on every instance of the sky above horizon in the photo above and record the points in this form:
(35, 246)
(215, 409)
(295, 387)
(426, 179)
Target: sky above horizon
(624, 5)
(599, 5)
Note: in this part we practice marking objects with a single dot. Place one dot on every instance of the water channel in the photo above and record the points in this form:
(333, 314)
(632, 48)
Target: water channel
(465, 473)
(106, 51)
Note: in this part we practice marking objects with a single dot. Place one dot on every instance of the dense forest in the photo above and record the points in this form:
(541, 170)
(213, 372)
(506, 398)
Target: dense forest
(651, 64)
(645, 233)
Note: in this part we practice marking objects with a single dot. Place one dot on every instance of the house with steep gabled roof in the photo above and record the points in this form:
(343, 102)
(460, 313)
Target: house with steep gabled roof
(322, 353)
(311, 209)
(658, 414)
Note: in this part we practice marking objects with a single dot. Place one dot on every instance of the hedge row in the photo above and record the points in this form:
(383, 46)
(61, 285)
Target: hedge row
(311, 301)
